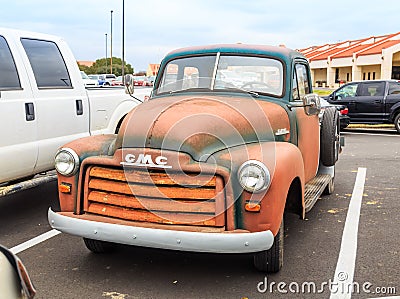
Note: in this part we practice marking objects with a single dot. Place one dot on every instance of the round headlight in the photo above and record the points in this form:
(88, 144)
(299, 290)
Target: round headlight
(254, 176)
(66, 161)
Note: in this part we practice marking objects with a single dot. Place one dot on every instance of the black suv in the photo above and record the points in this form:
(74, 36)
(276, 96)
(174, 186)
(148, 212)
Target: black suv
(370, 102)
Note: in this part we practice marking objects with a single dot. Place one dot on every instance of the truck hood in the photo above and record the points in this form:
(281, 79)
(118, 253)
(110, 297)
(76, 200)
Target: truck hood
(201, 126)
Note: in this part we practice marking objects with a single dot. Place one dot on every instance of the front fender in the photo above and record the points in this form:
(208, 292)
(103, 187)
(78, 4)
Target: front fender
(84, 147)
(285, 163)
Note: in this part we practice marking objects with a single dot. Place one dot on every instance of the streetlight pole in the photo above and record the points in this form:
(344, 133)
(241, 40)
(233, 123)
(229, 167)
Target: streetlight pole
(106, 53)
(111, 69)
(123, 42)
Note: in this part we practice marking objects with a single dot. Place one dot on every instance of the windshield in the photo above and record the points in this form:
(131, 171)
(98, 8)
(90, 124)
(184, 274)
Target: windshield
(223, 72)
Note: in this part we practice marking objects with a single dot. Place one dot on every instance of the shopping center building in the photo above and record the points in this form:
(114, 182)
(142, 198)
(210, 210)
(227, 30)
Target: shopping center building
(375, 57)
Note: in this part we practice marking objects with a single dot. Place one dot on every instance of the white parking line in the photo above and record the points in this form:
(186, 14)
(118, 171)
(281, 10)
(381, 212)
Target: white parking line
(32, 242)
(392, 297)
(388, 134)
(344, 273)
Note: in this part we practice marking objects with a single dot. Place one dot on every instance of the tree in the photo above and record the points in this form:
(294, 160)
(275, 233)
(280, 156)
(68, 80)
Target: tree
(84, 68)
(102, 66)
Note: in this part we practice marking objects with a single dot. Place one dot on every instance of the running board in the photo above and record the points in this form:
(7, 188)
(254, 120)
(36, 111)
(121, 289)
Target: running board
(24, 185)
(314, 189)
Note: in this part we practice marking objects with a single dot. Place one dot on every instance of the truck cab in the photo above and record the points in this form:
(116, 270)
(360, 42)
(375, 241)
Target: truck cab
(229, 141)
(44, 104)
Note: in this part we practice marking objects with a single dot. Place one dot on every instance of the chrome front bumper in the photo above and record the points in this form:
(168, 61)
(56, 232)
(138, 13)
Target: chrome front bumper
(165, 239)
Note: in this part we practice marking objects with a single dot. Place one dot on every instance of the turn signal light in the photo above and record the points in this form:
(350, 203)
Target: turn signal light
(64, 188)
(252, 207)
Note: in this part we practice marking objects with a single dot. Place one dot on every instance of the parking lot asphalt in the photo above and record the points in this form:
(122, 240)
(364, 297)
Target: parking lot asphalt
(61, 266)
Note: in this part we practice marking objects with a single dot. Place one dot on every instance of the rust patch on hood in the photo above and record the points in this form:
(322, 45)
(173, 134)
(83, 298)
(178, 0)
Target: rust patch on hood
(202, 125)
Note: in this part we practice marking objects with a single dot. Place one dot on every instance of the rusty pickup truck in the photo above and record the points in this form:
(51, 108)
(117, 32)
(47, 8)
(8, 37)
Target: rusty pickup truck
(230, 139)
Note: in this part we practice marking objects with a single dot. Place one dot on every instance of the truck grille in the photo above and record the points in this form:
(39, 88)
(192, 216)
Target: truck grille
(155, 196)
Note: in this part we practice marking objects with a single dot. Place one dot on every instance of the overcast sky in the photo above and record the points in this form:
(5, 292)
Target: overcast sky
(155, 27)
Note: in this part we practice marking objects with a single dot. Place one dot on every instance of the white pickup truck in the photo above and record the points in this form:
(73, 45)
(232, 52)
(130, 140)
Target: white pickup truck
(44, 104)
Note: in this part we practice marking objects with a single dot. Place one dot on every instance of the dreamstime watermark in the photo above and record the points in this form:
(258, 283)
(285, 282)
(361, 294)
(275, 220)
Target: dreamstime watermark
(338, 286)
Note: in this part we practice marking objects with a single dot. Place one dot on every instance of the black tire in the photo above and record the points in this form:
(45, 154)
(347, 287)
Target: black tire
(97, 246)
(397, 122)
(330, 137)
(271, 260)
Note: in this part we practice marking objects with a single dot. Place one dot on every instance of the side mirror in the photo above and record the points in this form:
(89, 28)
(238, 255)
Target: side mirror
(129, 84)
(312, 104)
(14, 279)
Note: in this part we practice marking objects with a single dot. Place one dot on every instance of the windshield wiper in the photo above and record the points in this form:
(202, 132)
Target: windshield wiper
(253, 93)
(188, 89)
(250, 92)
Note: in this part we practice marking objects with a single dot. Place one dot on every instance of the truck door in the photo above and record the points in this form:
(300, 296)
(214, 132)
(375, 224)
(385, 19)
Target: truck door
(18, 147)
(368, 105)
(62, 109)
(307, 126)
(346, 95)
(392, 100)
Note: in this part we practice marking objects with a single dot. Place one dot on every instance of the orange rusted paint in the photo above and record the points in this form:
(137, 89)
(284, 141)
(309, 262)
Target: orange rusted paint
(289, 166)
(95, 145)
(187, 125)
(152, 204)
(152, 191)
(157, 191)
(285, 163)
(148, 216)
(67, 200)
(157, 178)
(308, 142)
(107, 176)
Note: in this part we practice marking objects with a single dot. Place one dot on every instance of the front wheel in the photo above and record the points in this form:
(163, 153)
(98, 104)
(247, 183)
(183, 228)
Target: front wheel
(97, 246)
(397, 122)
(271, 260)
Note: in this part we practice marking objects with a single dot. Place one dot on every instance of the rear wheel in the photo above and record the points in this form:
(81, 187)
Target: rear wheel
(98, 246)
(330, 136)
(271, 260)
(397, 122)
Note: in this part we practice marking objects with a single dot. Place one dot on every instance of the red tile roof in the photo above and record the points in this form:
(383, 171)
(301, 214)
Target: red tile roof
(366, 46)
(319, 50)
(349, 51)
(326, 54)
(378, 48)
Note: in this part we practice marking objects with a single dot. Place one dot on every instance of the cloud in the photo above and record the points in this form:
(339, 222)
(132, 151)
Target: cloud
(155, 27)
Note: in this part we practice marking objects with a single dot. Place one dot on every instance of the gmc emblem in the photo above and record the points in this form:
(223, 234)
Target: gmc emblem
(143, 160)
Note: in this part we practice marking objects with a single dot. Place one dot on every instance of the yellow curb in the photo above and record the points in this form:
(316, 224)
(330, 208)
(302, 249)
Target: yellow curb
(366, 126)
